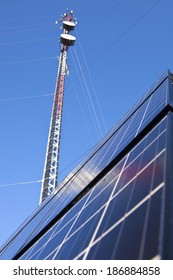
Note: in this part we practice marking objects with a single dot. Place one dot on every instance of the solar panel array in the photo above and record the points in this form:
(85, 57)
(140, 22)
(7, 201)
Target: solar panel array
(125, 197)
(127, 194)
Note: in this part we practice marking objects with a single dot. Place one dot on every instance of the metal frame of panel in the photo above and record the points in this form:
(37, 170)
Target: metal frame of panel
(167, 246)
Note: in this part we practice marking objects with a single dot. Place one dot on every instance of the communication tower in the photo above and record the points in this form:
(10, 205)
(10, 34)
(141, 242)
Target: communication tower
(50, 173)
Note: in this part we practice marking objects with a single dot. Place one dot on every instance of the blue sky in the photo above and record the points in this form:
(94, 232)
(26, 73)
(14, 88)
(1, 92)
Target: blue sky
(122, 47)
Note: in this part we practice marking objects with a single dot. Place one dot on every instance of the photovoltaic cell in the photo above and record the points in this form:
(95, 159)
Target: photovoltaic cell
(117, 242)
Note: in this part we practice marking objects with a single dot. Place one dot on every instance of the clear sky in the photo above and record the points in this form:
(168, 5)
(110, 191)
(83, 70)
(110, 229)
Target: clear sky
(122, 47)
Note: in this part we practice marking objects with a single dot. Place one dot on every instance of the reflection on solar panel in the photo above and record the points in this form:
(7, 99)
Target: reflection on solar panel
(113, 205)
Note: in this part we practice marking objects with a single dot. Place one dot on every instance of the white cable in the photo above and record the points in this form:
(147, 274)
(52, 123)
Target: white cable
(23, 28)
(93, 87)
(25, 19)
(80, 106)
(28, 60)
(25, 97)
(20, 183)
(88, 93)
(26, 41)
(107, 49)
(102, 19)
(39, 181)
(79, 76)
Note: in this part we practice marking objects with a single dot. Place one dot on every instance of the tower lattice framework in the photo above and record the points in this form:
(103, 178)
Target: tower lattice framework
(50, 173)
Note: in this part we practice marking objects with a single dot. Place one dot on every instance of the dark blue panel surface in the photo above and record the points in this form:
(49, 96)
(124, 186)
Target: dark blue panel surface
(151, 245)
(115, 202)
(108, 149)
(79, 240)
(119, 244)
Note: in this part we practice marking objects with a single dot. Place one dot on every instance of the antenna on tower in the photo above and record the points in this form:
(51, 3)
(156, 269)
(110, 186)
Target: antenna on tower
(50, 173)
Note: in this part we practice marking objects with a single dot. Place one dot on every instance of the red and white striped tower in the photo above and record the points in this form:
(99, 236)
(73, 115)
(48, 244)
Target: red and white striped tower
(50, 173)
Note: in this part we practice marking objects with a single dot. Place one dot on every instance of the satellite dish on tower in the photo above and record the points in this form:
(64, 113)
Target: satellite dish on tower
(68, 25)
(67, 39)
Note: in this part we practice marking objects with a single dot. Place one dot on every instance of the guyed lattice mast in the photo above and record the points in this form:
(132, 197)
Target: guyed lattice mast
(50, 173)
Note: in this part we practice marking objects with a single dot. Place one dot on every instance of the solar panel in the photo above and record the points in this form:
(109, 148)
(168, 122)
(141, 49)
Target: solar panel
(110, 210)
(129, 127)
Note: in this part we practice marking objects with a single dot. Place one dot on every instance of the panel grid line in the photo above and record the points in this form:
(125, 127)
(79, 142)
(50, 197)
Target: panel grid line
(104, 212)
(143, 117)
(113, 196)
(141, 250)
(121, 220)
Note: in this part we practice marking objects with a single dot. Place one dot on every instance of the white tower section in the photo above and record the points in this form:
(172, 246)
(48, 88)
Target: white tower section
(50, 173)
